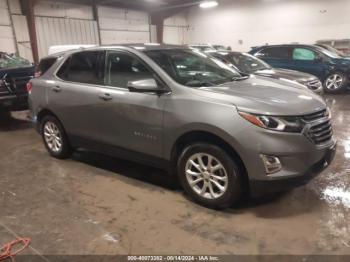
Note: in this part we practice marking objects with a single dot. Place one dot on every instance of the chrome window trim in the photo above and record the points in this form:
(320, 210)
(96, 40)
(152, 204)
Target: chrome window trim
(67, 56)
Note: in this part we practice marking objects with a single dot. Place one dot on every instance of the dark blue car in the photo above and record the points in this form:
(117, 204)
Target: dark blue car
(331, 68)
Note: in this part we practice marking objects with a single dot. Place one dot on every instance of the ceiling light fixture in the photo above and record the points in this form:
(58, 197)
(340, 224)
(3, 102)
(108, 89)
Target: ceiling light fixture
(208, 4)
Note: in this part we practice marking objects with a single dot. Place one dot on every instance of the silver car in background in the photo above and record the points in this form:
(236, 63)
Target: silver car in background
(249, 64)
(222, 133)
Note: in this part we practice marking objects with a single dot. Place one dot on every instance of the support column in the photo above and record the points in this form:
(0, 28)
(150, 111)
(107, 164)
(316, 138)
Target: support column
(95, 14)
(160, 30)
(158, 21)
(28, 10)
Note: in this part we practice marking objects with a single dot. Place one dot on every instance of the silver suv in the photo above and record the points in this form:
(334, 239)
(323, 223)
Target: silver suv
(223, 133)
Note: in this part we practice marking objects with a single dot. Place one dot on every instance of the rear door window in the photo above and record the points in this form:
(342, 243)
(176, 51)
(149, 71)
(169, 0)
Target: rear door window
(83, 67)
(280, 52)
(304, 54)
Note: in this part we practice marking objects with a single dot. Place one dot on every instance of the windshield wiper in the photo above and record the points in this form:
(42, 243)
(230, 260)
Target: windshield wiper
(199, 83)
(239, 78)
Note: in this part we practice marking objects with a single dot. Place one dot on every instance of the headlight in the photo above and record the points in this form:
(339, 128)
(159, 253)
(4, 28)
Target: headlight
(284, 124)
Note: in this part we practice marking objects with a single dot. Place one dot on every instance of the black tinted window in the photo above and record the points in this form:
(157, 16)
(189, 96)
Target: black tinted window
(83, 67)
(275, 52)
(45, 64)
(122, 68)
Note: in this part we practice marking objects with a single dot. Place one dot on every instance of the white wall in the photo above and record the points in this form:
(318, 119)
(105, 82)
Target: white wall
(7, 38)
(258, 22)
(119, 25)
(176, 30)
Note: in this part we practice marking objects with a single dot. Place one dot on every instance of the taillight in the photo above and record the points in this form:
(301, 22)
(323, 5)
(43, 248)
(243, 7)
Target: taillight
(29, 87)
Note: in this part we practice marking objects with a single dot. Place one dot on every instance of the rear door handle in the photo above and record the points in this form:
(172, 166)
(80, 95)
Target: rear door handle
(56, 89)
(105, 96)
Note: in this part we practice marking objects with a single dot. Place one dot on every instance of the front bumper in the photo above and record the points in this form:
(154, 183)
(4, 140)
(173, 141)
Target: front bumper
(260, 187)
(301, 158)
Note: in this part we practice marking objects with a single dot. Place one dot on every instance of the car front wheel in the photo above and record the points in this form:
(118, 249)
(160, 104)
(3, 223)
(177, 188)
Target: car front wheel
(335, 83)
(209, 175)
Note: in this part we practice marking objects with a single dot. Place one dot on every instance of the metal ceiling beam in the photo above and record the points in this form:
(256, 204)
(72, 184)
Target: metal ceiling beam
(139, 5)
(178, 5)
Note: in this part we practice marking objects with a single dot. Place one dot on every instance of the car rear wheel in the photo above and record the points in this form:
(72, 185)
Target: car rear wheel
(55, 138)
(336, 83)
(209, 176)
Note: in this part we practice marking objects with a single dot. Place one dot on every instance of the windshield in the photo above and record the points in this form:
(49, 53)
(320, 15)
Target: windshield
(330, 51)
(247, 63)
(220, 47)
(12, 61)
(193, 68)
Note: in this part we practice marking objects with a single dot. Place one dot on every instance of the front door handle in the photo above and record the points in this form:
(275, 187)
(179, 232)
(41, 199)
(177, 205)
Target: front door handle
(105, 96)
(56, 89)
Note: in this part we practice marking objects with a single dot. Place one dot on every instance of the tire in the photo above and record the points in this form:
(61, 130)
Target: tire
(336, 83)
(52, 129)
(212, 196)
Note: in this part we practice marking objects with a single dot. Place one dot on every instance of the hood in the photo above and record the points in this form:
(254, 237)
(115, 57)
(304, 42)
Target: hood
(21, 71)
(266, 96)
(344, 61)
(292, 75)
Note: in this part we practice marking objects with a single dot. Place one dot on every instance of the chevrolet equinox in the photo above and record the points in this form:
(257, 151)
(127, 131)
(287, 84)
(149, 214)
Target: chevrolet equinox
(222, 132)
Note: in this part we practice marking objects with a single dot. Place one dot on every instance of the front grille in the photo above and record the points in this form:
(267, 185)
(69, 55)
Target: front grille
(3, 90)
(314, 84)
(319, 127)
(315, 116)
(14, 85)
(321, 133)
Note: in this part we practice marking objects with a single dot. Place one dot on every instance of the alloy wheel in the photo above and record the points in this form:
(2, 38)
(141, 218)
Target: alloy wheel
(53, 137)
(334, 82)
(206, 175)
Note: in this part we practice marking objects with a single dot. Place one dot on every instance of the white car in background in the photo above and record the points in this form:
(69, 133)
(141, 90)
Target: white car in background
(62, 48)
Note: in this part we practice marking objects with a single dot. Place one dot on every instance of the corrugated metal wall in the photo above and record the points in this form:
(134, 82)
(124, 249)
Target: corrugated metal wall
(176, 30)
(60, 23)
(123, 26)
(64, 31)
(20, 27)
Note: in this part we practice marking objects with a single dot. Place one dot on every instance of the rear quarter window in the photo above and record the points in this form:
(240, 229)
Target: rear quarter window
(45, 64)
(83, 67)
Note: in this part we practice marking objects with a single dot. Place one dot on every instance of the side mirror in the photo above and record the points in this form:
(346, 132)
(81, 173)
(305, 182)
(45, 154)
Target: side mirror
(145, 86)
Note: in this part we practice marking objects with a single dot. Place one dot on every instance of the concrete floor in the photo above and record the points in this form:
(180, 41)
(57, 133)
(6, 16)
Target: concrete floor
(93, 204)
